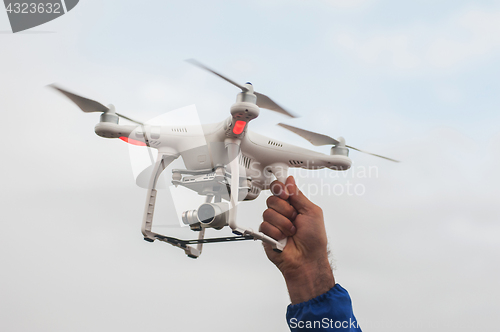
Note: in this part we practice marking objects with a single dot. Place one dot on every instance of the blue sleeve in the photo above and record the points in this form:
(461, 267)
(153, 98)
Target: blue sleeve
(331, 311)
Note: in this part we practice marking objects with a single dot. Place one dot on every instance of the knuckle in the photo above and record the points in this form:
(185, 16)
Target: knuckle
(281, 206)
(287, 229)
(271, 231)
(289, 211)
(267, 214)
(283, 224)
(263, 227)
(271, 200)
(276, 187)
(290, 188)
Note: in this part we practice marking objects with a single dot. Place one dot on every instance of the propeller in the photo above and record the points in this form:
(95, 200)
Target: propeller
(89, 105)
(314, 138)
(373, 154)
(263, 101)
(320, 139)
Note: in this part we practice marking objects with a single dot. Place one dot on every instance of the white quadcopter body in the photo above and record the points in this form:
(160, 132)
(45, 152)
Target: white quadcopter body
(234, 165)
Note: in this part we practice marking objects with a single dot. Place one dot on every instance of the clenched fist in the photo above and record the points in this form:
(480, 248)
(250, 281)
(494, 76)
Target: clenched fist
(304, 262)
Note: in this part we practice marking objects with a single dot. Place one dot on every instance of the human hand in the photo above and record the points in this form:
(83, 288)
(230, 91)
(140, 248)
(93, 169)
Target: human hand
(304, 262)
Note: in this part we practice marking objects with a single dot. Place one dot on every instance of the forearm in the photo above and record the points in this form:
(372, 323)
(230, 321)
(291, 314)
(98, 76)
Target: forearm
(309, 281)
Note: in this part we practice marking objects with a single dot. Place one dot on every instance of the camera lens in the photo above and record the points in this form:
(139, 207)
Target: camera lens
(206, 213)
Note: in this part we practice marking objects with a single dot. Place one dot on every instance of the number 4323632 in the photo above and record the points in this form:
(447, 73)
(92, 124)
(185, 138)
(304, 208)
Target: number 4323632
(32, 8)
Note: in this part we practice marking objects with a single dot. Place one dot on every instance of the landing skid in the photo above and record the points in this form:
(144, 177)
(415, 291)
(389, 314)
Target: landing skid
(215, 184)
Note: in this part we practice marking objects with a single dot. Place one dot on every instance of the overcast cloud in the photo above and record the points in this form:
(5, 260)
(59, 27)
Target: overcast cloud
(415, 81)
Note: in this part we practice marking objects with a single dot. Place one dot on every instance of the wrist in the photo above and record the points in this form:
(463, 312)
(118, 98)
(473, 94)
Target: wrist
(309, 281)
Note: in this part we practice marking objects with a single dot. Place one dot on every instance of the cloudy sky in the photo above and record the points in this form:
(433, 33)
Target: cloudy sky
(413, 80)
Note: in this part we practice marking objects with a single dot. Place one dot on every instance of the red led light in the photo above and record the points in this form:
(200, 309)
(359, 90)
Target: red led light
(239, 126)
(132, 141)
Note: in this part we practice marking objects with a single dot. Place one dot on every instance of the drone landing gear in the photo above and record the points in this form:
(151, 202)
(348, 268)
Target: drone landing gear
(209, 183)
(233, 152)
(218, 183)
(183, 243)
(162, 162)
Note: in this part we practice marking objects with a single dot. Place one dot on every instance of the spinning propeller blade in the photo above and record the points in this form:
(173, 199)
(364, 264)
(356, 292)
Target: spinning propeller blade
(89, 105)
(314, 138)
(85, 104)
(202, 66)
(373, 154)
(263, 101)
(320, 139)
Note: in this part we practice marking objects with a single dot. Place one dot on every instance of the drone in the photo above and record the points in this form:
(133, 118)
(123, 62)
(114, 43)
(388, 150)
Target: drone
(234, 165)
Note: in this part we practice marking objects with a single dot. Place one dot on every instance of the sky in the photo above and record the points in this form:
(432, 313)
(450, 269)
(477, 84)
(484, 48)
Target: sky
(417, 248)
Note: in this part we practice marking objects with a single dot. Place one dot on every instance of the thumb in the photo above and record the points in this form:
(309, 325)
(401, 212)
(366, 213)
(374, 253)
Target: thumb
(297, 199)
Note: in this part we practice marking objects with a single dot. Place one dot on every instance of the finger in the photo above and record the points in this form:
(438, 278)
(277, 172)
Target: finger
(282, 207)
(278, 189)
(271, 231)
(297, 199)
(280, 222)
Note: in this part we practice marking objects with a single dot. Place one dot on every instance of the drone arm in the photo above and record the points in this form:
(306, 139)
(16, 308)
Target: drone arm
(113, 130)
